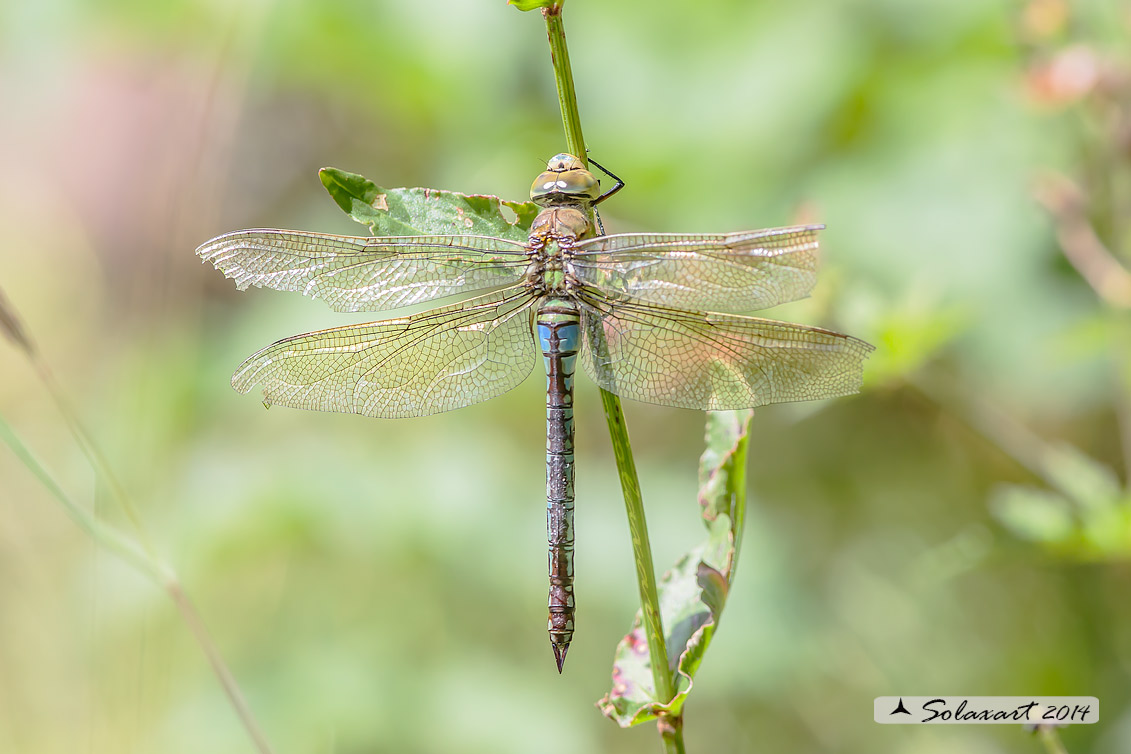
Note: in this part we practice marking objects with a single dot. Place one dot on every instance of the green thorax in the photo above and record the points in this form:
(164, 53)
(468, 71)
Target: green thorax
(552, 235)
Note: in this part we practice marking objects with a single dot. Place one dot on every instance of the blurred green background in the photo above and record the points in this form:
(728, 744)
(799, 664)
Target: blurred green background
(962, 527)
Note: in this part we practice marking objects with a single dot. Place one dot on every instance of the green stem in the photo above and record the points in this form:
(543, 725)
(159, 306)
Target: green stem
(671, 728)
(563, 76)
(671, 733)
(1122, 358)
(641, 548)
(1051, 739)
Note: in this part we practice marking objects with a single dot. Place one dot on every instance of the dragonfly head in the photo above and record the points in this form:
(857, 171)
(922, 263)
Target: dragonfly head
(564, 181)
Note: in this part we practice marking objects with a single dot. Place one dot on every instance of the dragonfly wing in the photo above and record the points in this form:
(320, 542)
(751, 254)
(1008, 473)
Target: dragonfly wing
(730, 272)
(714, 361)
(430, 362)
(366, 274)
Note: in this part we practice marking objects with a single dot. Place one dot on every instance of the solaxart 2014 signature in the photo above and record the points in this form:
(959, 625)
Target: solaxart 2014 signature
(1034, 710)
(1030, 712)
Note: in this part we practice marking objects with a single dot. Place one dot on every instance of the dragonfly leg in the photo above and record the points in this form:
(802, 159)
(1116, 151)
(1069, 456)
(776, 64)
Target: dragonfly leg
(619, 184)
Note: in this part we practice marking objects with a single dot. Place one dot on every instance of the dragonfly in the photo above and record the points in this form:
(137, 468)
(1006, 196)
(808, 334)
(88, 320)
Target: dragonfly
(653, 317)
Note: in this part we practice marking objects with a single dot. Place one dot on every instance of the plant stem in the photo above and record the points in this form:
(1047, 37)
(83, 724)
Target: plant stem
(671, 728)
(1122, 358)
(1051, 739)
(641, 548)
(563, 76)
(671, 733)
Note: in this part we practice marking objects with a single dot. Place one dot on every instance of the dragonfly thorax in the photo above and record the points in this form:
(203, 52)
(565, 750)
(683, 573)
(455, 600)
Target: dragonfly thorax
(565, 181)
(567, 224)
(552, 235)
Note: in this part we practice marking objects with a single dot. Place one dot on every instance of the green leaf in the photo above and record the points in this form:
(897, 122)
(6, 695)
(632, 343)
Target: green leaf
(1106, 533)
(1033, 514)
(422, 211)
(694, 591)
(1089, 483)
(913, 334)
(1085, 533)
(533, 4)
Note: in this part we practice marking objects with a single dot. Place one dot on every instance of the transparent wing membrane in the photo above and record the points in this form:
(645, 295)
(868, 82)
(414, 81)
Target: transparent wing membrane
(730, 272)
(714, 361)
(648, 303)
(430, 362)
(366, 274)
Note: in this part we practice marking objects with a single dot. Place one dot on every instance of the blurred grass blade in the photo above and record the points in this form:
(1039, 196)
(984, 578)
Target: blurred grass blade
(421, 211)
(12, 327)
(105, 535)
(694, 591)
(156, 571)
(141, 556)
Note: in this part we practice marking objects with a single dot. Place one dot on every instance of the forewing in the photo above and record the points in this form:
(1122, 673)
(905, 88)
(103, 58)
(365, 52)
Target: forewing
(714, 361)
(366, 274)
(731, 272)
(413, 366)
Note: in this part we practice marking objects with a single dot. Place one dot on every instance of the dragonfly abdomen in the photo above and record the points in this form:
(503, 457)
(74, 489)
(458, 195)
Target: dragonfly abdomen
(559, 334)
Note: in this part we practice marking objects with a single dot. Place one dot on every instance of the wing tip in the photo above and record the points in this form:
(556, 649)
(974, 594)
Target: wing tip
(246, 376)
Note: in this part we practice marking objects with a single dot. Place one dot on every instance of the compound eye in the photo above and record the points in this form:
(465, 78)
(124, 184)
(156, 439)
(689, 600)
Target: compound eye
(579, 182)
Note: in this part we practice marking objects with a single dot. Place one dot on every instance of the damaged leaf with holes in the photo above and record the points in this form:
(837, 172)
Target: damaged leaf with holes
(426, 211)
(694, 591)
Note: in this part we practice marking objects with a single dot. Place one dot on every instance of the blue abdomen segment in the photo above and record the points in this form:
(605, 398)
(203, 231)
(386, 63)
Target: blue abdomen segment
(559, 334)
